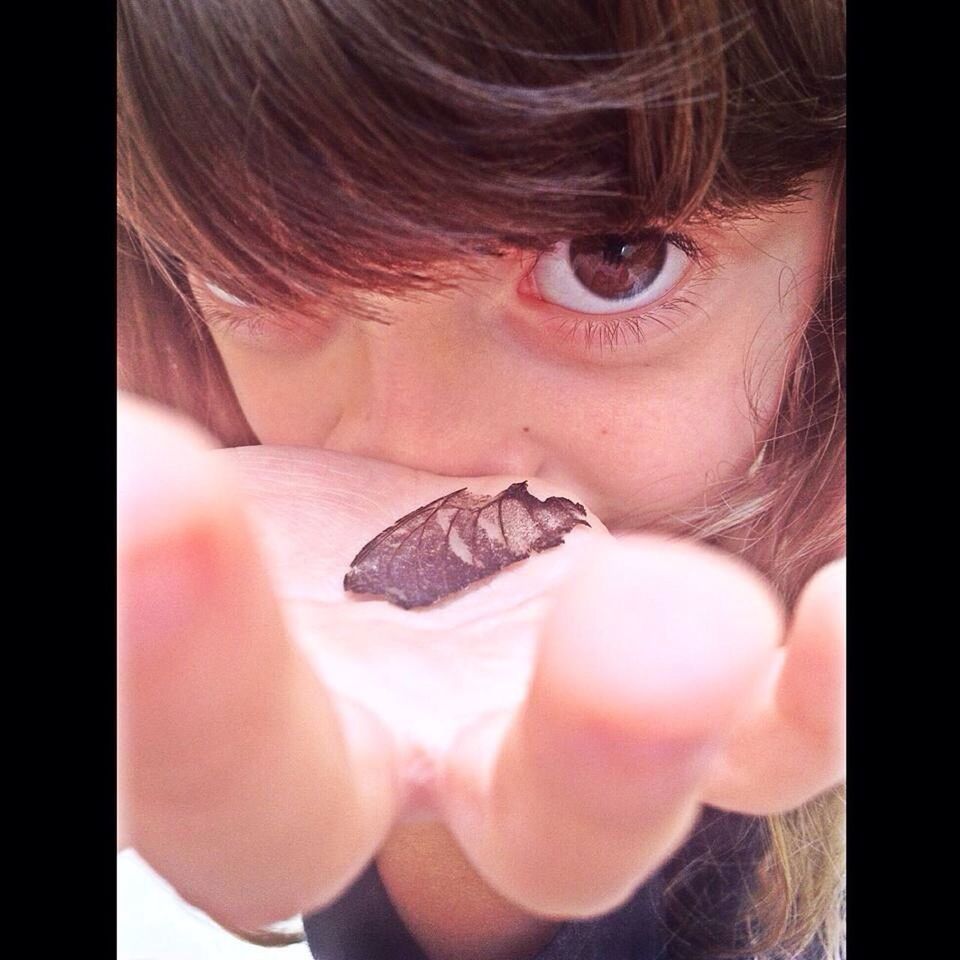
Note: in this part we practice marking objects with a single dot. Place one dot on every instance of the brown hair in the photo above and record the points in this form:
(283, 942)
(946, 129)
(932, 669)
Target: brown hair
(307, 148)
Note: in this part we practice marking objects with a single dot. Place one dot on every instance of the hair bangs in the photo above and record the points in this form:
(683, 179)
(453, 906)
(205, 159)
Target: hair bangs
(301, 148)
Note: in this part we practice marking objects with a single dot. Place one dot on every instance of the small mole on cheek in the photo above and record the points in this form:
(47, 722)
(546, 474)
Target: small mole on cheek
(526, 429)
(603, 431)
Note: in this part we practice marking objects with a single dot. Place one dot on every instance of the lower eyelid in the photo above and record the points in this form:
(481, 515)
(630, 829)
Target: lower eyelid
(246, 330)
(263, 331)
(637, 328)
(604, 338)
(226, 321)
(604, 334)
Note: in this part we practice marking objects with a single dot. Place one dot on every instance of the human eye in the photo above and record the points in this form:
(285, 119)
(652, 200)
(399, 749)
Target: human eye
(612, 274)
(612, 298)
(226, 313)
(244, 322)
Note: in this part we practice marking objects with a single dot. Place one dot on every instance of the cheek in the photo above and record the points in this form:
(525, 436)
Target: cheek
(281, 392)
(667, 437)
(661, 449)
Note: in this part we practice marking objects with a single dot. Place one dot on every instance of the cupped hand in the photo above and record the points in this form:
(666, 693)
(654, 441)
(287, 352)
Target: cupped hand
(565, 718)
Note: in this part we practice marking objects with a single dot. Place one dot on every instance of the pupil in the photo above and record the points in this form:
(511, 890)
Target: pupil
(613, 250)
(617, 269)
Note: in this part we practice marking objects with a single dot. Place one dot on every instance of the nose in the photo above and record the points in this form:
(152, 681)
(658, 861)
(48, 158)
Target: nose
(430, 393)
(440, 444)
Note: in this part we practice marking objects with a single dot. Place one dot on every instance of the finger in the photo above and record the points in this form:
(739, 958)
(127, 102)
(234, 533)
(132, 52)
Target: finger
(791, 747)
(241, 782)
(648, 656)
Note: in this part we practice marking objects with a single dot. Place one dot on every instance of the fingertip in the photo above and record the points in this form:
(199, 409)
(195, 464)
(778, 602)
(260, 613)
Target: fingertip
(793, 747)
(147, 432)
(656, 635)
(811, 693)
(823, 599)
(183, 548)
(166, 478)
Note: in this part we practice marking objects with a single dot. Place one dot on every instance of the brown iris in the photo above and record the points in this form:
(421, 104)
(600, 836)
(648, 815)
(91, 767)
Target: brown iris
(615, 268)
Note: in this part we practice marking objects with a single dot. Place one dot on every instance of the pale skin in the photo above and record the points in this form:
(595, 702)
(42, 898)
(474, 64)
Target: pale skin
(525, 753)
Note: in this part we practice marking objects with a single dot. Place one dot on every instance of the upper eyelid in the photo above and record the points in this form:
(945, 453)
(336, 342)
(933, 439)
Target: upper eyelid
(689, 245)
(223, 306)
(703, 253)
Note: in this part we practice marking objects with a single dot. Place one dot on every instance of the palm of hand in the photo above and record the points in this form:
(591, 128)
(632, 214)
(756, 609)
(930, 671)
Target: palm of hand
(565, 719)
(428, 673)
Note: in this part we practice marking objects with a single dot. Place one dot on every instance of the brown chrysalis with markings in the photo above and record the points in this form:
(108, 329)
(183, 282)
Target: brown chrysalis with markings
(444, 546)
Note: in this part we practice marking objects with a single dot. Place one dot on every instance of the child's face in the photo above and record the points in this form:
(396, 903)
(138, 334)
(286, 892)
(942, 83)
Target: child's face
(638, 413)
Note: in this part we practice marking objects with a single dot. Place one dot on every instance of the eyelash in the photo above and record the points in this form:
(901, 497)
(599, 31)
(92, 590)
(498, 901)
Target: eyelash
(600, 331)
(248, 322)
(596, 333)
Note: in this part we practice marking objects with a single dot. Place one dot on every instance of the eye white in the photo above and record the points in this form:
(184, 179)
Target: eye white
(221, 294)
(558, 284)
